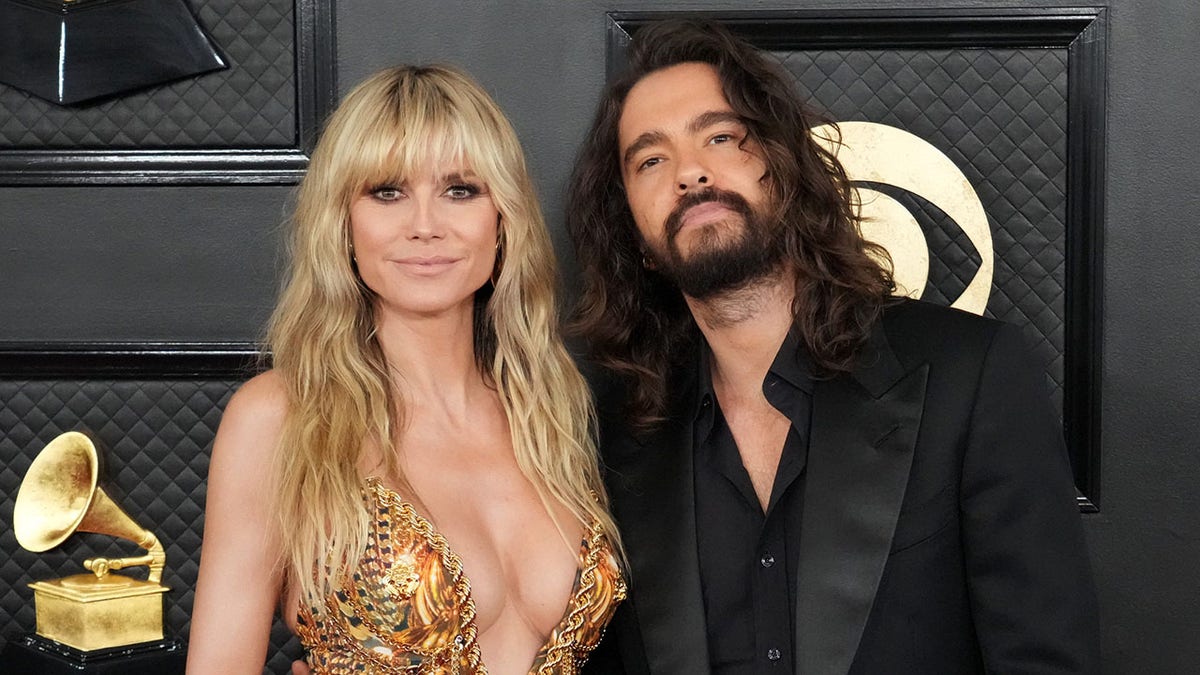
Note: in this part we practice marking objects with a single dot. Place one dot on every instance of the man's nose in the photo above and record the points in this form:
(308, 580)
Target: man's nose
(691, 175)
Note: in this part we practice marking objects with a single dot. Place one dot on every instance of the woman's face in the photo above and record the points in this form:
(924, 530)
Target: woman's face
(426, 245)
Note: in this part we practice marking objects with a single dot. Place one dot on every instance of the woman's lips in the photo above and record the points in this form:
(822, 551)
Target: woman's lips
(426, 264)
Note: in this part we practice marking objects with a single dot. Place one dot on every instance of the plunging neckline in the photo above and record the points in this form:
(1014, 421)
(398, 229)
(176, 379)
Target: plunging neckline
(453, 563)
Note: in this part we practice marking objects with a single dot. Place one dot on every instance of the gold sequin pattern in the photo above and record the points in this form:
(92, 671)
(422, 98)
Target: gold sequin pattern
(408, 607)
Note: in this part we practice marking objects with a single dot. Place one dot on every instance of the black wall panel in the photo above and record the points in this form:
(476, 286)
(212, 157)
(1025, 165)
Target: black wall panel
(197, 263)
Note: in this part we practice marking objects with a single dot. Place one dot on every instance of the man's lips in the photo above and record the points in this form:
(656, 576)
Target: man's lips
(702, 214)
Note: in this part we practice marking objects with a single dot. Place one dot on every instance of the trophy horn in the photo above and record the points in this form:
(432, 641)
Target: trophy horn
(59, 496)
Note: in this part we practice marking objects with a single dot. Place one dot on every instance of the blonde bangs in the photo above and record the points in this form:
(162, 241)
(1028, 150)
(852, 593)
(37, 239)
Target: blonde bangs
(413, 127)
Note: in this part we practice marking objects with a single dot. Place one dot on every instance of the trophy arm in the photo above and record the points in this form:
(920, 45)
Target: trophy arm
(155, 558)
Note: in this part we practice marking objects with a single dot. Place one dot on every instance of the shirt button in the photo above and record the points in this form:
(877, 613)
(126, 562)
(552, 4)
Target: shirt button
(767, 560)
(773, 654)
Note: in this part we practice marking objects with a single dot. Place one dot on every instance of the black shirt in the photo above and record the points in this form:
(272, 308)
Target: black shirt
(747, 557)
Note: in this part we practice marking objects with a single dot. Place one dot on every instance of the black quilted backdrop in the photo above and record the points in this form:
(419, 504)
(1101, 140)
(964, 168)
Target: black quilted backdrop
(1001, 116)
(155, 438)
(250, 105)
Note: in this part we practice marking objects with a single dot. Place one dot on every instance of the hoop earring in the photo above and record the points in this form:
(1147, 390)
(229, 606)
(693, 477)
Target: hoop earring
(498, 266)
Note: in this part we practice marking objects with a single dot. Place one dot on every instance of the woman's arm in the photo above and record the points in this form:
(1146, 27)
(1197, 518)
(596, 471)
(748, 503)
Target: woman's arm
(238, 588)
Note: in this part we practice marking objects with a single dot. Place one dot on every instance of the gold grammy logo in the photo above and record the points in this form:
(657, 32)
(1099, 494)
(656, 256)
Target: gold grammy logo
(878, 153)
(58, 497)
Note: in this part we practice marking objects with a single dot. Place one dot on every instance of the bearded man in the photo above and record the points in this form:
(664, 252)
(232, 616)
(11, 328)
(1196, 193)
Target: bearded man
(810, 475)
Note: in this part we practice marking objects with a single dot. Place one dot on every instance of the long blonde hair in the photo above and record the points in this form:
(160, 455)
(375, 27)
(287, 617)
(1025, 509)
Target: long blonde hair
(339, 392)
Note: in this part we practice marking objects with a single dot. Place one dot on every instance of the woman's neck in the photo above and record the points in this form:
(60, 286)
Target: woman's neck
(432, 359)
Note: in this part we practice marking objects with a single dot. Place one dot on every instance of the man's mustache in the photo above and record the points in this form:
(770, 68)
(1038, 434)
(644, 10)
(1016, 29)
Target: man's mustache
(731, 200)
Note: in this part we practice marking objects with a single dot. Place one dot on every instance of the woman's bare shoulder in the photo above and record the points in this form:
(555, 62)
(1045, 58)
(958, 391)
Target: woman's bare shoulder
(253, 418)
(262, 399)
(264, 395)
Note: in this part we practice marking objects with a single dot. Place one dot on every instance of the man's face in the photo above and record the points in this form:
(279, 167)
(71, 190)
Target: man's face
(695, 182)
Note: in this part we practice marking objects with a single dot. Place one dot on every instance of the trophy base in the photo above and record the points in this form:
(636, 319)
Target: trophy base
(36, 654)
(91, 614)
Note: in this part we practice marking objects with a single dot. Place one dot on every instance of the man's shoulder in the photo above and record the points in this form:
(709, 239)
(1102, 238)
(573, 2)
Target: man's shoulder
(921, 331)
(611, 388)
(606, 386)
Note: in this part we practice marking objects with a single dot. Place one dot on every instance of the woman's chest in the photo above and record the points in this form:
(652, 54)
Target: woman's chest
(518, 561)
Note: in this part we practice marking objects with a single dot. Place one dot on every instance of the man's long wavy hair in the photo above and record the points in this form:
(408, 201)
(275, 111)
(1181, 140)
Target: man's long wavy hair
(341, 394)
(634, 319)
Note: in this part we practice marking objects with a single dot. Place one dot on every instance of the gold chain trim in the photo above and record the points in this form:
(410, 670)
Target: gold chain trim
(564, 657)
(465, 641)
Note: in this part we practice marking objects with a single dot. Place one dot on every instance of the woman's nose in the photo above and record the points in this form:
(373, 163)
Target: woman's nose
(425, 221)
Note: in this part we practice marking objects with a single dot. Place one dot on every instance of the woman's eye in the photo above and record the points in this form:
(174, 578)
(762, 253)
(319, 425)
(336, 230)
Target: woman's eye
(386, 193)
(721, 138)
(464, 191)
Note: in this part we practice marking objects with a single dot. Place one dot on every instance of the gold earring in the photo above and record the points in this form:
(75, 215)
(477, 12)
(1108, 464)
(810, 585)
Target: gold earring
(499, 264)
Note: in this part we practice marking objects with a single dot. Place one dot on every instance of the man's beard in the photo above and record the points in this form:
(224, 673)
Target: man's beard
(721, 258)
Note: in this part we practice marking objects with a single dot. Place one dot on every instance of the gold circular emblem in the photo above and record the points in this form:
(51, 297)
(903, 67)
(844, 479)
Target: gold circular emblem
(402, 578)
(879, 153)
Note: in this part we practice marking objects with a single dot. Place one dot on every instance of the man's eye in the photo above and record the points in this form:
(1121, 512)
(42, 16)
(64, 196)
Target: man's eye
(464, 191)
(721, 138)
(653, 161)
(386, 193)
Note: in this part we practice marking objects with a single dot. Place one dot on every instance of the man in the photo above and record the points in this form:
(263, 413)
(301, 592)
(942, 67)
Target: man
(810, 476)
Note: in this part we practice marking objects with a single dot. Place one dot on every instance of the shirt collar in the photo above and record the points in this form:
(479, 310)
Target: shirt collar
(792, 364)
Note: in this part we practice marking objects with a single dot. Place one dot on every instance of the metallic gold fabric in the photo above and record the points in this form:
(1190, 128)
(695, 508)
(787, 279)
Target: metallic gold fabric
(408, 607)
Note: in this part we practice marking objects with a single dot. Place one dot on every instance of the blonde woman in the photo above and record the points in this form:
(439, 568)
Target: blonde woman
(414, 483)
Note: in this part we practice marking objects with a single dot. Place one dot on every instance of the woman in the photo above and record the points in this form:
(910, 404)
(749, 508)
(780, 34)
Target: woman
(423, 425)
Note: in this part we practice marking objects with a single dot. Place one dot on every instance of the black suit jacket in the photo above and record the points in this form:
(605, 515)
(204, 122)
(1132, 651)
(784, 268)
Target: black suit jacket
(940, 532)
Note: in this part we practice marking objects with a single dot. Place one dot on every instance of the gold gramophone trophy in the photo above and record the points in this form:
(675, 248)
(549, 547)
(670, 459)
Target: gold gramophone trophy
(99, 610)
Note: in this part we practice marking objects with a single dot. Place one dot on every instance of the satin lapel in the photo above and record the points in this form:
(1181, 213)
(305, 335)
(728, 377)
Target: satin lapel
(653, 495)
(864, 429)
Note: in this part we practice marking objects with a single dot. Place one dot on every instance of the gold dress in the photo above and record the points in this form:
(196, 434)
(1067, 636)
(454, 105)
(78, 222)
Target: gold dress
(408, 607)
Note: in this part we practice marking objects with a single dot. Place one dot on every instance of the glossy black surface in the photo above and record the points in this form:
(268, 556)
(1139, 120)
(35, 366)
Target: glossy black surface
(315, 93)
(74, 52)
(36, 654)
(39, 361)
